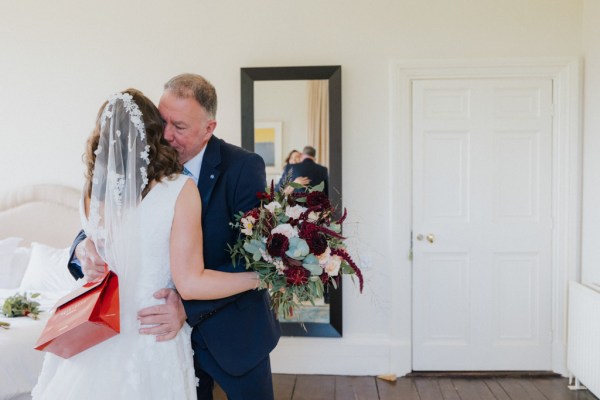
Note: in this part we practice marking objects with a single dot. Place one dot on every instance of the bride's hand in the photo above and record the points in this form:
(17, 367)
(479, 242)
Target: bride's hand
(92, 265)
(167, 319)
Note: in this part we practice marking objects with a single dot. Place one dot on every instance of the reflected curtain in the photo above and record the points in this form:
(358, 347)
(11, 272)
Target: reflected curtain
(318, 119)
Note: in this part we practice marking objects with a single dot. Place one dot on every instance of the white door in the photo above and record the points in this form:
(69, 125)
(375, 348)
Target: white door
(482, 227)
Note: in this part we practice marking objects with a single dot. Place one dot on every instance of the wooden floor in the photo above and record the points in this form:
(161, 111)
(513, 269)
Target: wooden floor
(328, 387)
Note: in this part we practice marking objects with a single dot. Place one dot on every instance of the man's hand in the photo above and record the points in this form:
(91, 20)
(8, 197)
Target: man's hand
(167, 319)
(302, 180)
(92, 265)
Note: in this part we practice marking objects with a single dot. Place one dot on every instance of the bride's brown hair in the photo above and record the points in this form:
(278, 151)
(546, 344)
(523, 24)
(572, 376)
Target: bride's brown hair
(164, 160)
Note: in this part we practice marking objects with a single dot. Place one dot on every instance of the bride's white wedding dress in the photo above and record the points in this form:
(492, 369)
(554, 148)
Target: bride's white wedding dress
(130, 365)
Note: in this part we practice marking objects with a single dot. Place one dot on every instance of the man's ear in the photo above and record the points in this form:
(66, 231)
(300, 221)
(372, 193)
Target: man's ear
(210, 128)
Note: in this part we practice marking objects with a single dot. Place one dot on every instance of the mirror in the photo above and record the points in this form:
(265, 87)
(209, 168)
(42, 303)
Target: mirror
(268, 85)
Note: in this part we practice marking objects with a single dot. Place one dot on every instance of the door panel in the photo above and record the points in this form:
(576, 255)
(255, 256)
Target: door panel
(482, 224)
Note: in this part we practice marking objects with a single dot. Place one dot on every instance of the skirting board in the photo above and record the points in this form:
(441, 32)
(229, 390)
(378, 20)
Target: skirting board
(346, 356)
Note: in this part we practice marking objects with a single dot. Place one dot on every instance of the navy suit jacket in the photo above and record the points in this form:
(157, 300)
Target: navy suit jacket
(241, 330)
(310, 169)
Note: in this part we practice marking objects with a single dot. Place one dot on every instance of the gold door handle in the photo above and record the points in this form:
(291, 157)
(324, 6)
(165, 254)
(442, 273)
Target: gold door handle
(430, 237)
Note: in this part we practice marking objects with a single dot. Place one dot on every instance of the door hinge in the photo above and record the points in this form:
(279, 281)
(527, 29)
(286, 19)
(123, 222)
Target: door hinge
(410, 252)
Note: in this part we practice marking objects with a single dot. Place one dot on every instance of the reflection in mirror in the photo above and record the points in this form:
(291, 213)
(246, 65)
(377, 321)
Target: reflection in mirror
(286, 108)
(289, 115)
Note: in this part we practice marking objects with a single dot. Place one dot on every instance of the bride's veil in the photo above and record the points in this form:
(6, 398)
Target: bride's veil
(119, 177)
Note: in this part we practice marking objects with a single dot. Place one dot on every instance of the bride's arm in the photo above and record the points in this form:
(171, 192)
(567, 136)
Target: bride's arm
(90, 265)
(187, 263)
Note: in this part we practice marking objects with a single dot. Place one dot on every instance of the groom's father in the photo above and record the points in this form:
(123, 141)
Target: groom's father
(231, 337)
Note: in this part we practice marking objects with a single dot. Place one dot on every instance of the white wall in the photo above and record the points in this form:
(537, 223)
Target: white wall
(60, 59)
(286, 102)
(590, 257)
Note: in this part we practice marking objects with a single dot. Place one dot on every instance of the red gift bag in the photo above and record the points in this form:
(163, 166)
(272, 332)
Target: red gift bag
(83, 318)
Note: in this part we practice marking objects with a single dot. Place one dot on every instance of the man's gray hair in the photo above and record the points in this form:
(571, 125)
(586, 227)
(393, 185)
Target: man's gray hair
(196, 86)
(309, 151)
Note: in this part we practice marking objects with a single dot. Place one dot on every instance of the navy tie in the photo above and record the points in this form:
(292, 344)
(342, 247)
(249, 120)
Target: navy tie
(187, 172)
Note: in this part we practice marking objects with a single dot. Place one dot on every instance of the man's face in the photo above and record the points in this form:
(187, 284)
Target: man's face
(187, 125)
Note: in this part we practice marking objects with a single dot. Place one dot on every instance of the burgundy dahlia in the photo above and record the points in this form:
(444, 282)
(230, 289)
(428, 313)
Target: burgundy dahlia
(263, 196)
(296, 276)
(317, 243)
(255, 213)
(307, 230)
(277, 245)
(318, 199)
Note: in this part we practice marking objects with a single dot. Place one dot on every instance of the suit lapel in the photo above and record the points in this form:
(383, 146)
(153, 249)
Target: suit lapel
(209, 172)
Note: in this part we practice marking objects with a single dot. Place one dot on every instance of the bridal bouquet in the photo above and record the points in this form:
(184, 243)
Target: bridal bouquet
(293, 242)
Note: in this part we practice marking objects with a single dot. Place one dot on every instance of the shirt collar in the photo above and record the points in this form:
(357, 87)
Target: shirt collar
(195, 164)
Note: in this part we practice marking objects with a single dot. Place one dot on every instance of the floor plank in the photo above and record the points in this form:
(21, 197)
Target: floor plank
(440, 387)
(472, 389)
(520, 389)
(355, 388)
(448, 389)
(428, 389)
(403, 388)
(283, 386)
(496, 389)
(218, 393)
(558, 389)
(314, 387)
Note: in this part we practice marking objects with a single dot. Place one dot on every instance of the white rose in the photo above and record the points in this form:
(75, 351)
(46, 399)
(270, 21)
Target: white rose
(333, 266)
(272, 206)
(285, 229)
(324, 257)
(295, 212)
(313, 216)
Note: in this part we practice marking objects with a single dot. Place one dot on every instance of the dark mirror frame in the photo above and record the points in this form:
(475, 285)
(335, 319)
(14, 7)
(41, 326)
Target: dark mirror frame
(333, 74)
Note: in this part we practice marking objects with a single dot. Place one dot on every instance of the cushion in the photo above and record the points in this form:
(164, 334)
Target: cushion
(47, 270)
(18, 266)
(7, 252)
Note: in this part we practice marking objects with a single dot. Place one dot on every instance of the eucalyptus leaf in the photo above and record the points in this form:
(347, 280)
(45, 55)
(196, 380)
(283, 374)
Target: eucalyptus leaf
(319, 187)
(250, 248)
(311, 263)
(315, 269)
(298, 248)
(335, 227)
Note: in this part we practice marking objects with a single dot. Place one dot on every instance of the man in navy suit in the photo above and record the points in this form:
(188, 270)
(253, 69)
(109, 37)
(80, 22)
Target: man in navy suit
(231, 337)
(307, 168)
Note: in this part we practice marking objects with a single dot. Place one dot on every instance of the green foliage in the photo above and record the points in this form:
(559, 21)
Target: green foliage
(21, 305)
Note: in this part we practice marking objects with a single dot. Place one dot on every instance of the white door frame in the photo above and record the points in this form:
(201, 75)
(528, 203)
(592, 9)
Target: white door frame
(566, 182)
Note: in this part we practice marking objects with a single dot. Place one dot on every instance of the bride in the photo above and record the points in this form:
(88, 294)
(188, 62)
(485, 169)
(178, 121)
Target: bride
(144, 217)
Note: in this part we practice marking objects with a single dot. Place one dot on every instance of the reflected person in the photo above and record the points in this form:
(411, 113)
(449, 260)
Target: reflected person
(307, 168)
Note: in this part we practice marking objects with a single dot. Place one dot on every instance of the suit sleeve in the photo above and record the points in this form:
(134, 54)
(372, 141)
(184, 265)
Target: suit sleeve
(74, 267)
(251, 180)
(283, 178)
